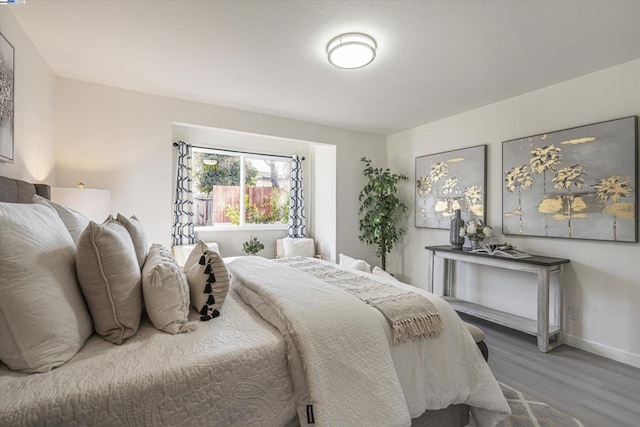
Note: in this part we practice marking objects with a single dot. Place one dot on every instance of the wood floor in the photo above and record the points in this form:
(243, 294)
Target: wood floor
(597, 391)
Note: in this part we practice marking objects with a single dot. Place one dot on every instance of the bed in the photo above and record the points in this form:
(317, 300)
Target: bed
(243, 368)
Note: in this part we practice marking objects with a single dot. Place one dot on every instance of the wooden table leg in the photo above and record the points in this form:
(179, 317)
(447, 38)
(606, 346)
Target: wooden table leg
(430, 264)
(559, 306)
(447, 277)
(543, 309)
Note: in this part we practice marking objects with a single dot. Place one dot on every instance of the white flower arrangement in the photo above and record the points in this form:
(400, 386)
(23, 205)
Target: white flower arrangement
(476, 230)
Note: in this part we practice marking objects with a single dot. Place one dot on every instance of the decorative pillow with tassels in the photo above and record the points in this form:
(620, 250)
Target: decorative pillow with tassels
(208, 279)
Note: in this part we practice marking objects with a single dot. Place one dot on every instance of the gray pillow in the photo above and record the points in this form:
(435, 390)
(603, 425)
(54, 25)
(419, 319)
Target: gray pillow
(73, 220)
(44, 320)
(110, 279)
(165, 291)
(138, 236)
(208, 279)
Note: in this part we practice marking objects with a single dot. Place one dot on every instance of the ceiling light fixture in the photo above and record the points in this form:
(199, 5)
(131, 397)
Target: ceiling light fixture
(351, 50)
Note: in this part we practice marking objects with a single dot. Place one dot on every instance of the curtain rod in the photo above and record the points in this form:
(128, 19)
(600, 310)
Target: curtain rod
(175, 144)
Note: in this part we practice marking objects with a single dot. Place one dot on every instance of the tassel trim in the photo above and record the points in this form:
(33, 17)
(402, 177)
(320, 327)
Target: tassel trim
(187, 328)
(207, 312)
(417, 327)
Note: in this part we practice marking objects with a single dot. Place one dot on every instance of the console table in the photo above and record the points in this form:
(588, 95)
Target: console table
(543, 267)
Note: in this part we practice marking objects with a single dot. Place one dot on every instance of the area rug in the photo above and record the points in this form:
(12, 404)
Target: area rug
(529, 412)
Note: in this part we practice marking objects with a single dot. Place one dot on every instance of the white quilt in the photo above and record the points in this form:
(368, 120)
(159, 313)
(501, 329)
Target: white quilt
(232, 371)
(344, 347)
(349, 372)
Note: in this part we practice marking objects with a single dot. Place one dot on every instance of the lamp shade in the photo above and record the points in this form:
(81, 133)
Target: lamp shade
(92, 203)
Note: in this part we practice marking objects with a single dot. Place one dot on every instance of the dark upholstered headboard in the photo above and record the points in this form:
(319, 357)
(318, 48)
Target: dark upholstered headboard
(16, 191)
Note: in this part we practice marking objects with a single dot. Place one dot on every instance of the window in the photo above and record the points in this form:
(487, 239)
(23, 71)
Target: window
(220, 178)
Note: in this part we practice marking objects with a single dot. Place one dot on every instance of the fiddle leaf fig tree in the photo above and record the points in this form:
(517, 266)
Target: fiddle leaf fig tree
(380, 209)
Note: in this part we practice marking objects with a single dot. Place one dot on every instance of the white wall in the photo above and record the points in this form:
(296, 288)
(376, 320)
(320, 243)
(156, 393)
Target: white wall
(34, 92)
(603, 279)
(122, 140)
(324, 212)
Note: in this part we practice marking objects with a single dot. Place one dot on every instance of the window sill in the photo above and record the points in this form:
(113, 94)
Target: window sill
(250, 227)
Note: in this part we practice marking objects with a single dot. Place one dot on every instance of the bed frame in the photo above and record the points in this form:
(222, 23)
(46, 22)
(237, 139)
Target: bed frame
(17, 191)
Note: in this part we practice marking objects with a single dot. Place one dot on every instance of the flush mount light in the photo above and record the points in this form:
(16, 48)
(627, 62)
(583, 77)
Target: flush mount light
(351, 50)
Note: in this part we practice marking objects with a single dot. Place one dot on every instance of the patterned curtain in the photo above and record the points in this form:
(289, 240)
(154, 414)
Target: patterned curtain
(296, 209)
(183, 231)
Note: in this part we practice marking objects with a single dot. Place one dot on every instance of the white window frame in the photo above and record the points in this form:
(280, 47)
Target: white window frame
(242, 226)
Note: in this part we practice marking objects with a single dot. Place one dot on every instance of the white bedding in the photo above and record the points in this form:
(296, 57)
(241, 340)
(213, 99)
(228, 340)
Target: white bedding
(230, 371)
(332, 337)
(432, 373)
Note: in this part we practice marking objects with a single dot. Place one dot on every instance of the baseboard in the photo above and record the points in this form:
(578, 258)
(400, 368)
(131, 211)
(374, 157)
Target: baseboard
(603, 350)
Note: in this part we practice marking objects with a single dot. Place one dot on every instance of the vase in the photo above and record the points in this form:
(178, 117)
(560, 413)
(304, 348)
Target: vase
(455, 238)
(475, 243)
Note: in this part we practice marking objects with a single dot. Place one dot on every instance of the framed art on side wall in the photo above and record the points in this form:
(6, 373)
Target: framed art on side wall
(6, 100)
(449, 181)
(578, 183)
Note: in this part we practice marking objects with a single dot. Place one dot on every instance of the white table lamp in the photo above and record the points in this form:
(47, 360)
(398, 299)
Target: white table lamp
(93, 203)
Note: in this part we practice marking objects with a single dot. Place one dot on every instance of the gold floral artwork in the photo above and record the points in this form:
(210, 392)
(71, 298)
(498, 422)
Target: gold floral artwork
(6, 100)
(576, 183)
(449, 181)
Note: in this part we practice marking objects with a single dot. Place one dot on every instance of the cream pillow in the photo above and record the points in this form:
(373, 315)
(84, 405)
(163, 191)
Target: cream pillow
(293, 247)
(73, 220)
(43, 318)
(109, 276)
(165, 291)
(208, 279)
(354, 264)
(377, 271)
(138, 236)
(182, 252)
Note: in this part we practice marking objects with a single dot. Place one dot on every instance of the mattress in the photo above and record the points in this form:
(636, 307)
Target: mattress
(230, 371)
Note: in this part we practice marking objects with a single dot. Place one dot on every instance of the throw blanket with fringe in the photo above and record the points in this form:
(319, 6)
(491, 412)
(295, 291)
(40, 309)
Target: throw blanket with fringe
(410, 315)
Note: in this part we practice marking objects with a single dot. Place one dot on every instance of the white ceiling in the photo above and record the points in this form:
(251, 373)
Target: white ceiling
(435, 58)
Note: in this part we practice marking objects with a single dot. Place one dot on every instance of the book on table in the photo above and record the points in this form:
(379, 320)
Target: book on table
(501, 249)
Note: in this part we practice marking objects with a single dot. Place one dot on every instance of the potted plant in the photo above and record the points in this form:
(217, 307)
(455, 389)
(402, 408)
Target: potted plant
(476, 231)
(380, 209)
(252, 246)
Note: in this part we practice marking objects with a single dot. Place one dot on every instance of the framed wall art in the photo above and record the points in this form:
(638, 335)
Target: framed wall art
(6, 100)
(448, 181)
(578, 183)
